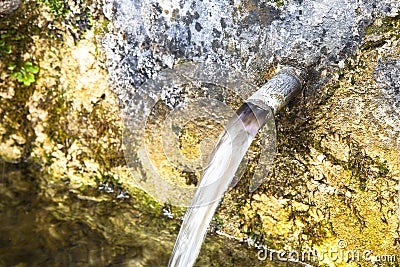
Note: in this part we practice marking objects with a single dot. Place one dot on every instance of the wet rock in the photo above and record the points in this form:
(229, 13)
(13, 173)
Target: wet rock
(336, 173)
(79, 206)
(337, 170)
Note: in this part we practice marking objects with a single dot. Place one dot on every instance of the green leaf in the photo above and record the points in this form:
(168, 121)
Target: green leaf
(14, 75)
(22, 71)
(7, 49)
(27, 83)
(20, 78)
(32, 69)
(30, 78)
(12, 66)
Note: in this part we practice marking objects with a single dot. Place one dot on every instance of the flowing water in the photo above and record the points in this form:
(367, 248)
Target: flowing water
(224, 161)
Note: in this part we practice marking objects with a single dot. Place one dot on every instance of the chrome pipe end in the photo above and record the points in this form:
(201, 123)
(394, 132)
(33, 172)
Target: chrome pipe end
(279, 90)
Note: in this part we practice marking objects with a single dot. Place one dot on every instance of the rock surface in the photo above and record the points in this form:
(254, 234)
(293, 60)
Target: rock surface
(146, 36)
(8, 6)
(336, 172)
(61, 157)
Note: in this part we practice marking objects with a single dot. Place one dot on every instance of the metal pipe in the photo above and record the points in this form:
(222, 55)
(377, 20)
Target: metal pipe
(225, 161)
(278, 91)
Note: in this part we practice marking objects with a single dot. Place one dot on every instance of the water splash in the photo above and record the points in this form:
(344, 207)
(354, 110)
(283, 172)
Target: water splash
(224, 161)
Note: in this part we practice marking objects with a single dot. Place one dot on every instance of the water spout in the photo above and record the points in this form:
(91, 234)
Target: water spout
(225, 159)
(278, 91)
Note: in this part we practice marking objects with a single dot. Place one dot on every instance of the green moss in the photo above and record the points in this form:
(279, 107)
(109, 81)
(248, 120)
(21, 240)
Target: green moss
(101, 28)
(388, 28)
(5, 46)
(217, 222)
(371, 45)
(389, 24)
(108, 129)
(15, 43)
(364, 168)
(58, 126)
(278, 3)
(59, 8)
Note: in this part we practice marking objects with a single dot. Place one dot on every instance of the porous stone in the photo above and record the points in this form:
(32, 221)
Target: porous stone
(336, 172)
(8, 6)
(147, 36)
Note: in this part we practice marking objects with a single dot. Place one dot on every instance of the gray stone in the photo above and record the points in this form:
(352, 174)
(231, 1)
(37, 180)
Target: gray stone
(147, 36)
(336, 142)
(8, 6)
(388, 76)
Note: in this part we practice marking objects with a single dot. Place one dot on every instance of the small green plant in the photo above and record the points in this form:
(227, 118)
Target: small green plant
(25, 74)
(4, 46)
(278, 3)
(59, 8)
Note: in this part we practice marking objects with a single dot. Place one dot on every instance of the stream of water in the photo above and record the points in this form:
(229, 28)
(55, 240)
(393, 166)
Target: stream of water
(224, 161)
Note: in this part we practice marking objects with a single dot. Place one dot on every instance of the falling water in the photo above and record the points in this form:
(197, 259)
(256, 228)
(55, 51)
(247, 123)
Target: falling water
(225, 159)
